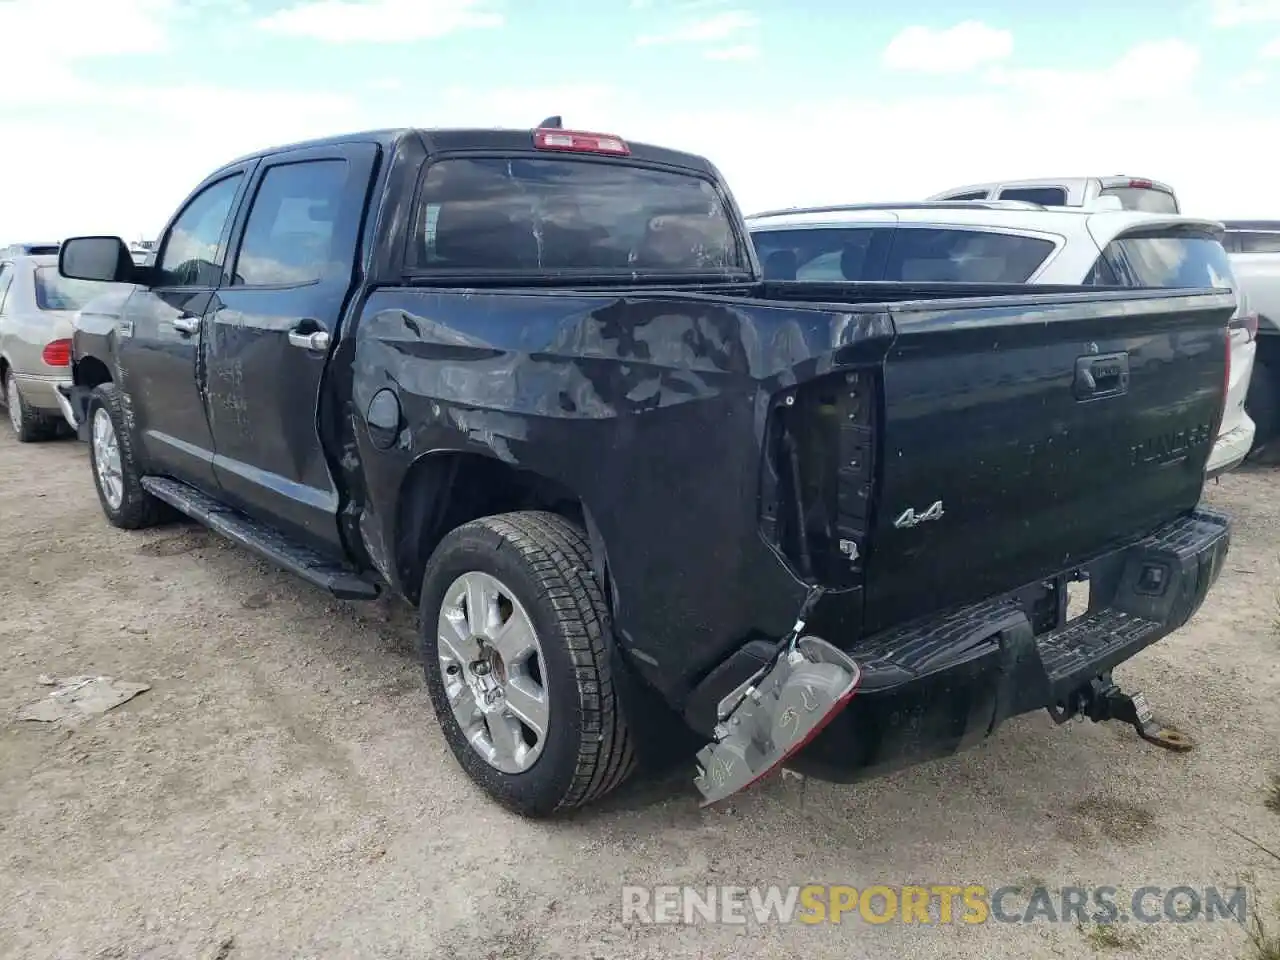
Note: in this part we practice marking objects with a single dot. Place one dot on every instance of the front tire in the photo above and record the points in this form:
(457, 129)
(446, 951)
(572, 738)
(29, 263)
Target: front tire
(515, 636)
(117, 475)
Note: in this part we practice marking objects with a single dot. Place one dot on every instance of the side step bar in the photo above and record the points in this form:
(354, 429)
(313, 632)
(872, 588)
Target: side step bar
(263, 540)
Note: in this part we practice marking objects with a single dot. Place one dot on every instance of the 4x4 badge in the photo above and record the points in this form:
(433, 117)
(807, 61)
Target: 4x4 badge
(909, 518)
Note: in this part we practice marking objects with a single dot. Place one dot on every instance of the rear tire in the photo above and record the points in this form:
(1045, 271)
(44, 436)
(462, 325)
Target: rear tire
(543, 562)
(29, 425)
(1261, 404)
(117, 475)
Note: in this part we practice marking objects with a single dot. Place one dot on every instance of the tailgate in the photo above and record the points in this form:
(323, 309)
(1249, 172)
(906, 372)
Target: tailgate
(1020, 439)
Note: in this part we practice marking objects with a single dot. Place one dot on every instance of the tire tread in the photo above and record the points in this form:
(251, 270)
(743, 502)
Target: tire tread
(558, 553)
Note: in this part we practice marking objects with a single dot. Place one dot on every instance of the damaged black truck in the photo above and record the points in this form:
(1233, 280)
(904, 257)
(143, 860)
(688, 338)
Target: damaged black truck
(532, 381)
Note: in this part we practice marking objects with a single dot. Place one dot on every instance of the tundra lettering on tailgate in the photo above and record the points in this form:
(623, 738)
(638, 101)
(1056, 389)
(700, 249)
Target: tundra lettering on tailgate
(1171, 446)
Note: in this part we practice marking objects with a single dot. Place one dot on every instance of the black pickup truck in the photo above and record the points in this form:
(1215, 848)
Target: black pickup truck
(532, 382)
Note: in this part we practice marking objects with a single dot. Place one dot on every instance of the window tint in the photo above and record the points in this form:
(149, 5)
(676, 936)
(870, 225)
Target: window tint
(531, 215)
(1258, 242)
(6, 278)
(1142, 198)
(929, 254)
(978, 195)
(1187, 260)
(191, 251)
(56, 292)
(1046, 196)
(822, 255)
(288, 238)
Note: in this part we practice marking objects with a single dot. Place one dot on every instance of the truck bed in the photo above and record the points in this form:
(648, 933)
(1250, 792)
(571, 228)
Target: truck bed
(747, 441)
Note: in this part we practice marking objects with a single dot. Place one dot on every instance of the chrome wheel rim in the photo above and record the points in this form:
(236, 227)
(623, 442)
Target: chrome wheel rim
(106, 459)
(493, 671)
(14, 403)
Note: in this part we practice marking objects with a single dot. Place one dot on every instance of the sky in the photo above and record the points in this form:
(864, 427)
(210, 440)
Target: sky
(112, 110)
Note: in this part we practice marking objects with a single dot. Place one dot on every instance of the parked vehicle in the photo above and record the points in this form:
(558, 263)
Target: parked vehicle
(1254, 249)
(534, 383)
(29, 250)
(1133, 193)
(36, 303)
(1018, 242)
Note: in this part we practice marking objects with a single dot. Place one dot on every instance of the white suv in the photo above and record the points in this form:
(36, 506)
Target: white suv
(1132, 193)
(1001, 242)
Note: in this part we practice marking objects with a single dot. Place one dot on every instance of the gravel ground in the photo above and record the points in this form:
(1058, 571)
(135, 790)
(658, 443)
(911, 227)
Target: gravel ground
(283, 789)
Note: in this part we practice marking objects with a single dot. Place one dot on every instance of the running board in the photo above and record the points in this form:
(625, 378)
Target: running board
(268, 542)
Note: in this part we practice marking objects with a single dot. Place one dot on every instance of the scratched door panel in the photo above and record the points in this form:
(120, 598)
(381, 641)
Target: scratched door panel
(295, 252)
(163, 328)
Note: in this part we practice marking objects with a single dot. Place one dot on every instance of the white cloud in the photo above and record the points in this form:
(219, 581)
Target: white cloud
(45, 38)
(1151, 71)
(741, 51)
(716, 29)
(955, 50)
(1249, 80)
(380, 21)
(1234, 13)
(1272, 49)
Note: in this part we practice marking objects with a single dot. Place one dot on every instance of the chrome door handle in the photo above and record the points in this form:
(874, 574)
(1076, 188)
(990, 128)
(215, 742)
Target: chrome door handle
(318, 341)
(186, 325)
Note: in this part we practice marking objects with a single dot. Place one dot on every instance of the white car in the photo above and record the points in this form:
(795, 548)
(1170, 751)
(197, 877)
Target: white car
(1013, 242)
(1254, 249)
(1132, 193)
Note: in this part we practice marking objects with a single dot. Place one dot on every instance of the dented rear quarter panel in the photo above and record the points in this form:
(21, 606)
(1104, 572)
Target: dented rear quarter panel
(650, 409)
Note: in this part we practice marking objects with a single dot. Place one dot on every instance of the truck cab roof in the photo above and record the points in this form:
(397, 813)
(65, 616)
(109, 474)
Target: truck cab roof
(452, 139)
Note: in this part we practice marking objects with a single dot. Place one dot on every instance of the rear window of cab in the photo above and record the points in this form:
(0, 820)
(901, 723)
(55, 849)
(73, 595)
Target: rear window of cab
(521, 215)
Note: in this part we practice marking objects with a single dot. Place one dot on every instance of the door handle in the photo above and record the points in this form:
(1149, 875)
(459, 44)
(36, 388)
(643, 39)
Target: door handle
(186, 325)
(1100, 376)
(317, 340)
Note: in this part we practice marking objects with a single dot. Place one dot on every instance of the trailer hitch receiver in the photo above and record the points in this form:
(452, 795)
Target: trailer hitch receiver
(773, 714)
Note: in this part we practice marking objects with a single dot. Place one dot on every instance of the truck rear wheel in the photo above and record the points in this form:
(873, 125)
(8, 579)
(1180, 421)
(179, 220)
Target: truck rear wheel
(514, 638)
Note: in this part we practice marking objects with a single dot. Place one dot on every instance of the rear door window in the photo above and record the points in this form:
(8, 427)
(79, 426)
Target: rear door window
(931, 254)
(499, 216)
(1142, 198)
(1045, 196)
(288, 238)
(56, 292)
(1257, 242)
(1188, 260)
(6, 279)
(823, 254)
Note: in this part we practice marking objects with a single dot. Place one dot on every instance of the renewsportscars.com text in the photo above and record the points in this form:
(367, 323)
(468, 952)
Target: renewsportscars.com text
(971, 904)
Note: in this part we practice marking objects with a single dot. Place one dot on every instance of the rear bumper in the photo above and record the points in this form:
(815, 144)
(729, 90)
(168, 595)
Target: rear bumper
(1231, 448)
(937, 687)
(41, 392)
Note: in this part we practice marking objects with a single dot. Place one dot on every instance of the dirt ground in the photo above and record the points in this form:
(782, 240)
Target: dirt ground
(283, 789)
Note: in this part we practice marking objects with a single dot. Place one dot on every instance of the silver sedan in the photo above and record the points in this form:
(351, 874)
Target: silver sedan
(36, 311)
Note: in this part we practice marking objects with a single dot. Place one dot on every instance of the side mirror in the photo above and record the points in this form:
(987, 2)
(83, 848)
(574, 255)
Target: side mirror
(96, 258)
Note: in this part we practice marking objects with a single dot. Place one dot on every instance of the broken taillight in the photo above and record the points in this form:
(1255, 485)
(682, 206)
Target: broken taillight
(57, 353)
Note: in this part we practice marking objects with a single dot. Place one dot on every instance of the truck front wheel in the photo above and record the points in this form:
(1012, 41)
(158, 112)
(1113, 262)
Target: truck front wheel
(117, 475)
(514, 636)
